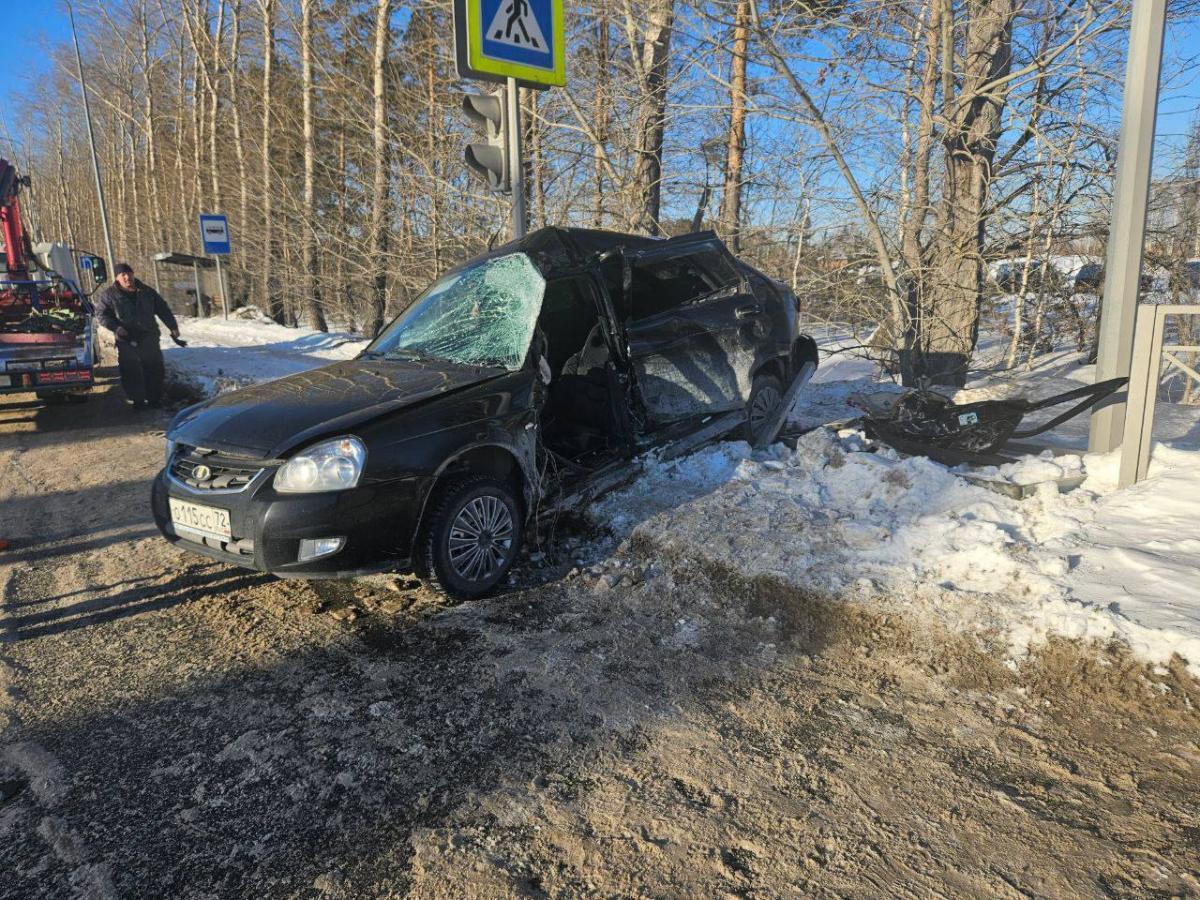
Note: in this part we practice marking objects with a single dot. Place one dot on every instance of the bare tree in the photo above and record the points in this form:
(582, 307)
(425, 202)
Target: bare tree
(650, 41)
(731, 195)
(312, 297)
(267, 276)
(379, 234)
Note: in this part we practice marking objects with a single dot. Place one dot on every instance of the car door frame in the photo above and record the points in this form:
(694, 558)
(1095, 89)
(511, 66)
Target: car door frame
(736, 297)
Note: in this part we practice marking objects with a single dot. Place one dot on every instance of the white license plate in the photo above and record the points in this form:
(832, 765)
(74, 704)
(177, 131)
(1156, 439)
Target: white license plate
(207, 520)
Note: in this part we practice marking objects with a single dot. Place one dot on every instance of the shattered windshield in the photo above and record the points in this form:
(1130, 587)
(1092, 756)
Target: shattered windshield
(483, 315)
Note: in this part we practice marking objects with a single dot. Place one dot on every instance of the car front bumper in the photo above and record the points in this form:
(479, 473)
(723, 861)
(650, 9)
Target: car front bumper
(378, 522)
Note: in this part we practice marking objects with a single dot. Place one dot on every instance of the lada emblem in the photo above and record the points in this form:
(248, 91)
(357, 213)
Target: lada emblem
(202, 473)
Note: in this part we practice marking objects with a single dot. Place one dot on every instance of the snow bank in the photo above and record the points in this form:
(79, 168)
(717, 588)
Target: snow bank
(247, 348)
(831, 516)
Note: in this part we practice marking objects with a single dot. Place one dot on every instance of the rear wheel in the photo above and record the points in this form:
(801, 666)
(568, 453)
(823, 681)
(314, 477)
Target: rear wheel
(471, 538)
(765, 396)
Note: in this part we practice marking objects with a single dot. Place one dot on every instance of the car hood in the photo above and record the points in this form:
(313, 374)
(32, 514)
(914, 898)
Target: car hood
(268, 419)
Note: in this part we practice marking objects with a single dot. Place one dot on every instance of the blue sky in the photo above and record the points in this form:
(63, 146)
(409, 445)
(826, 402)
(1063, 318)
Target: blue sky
(31, 28)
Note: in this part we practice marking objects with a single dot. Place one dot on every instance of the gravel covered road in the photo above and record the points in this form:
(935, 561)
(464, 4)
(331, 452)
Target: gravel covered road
(171, 726)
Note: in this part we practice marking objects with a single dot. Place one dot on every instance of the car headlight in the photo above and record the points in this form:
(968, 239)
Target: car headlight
(329, 466)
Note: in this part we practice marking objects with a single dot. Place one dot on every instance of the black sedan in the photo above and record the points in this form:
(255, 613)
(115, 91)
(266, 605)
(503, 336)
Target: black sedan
(519, 375)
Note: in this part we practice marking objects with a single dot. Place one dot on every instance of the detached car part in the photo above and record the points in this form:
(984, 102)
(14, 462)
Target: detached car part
(925, 423)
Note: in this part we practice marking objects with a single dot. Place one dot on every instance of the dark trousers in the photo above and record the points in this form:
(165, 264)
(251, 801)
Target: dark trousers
(141, 368)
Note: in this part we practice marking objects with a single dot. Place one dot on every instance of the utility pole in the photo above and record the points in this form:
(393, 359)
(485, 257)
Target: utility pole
(1126, 238)
(87, 113)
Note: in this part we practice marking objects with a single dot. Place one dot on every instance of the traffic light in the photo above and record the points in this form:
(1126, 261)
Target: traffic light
(488, 159)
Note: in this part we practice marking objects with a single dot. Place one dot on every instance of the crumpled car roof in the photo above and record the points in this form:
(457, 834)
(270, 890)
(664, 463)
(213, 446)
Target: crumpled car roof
(555, 249)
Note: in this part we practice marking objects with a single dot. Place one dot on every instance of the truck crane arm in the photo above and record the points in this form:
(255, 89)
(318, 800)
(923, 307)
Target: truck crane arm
(12, 231)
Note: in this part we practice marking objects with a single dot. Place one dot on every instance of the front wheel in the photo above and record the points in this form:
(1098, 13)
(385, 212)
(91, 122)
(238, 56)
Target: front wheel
(765, 396)
(472, 537)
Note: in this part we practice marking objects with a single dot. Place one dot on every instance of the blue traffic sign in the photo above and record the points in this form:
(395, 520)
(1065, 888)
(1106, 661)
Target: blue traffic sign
(214, 234)
(521, 39)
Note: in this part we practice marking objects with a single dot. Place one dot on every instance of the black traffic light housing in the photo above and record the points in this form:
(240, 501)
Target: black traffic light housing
(488, 159)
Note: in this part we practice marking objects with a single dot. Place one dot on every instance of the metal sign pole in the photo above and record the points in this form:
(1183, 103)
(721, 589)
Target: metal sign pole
(199, 296)
(1123, 267)
(516, 166)
(223, 289)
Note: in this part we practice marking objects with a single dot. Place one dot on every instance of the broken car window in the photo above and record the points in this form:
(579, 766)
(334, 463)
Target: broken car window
(483, 315)
(661, 283)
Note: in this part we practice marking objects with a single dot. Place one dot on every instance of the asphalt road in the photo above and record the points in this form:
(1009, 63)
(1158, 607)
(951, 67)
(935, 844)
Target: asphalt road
(170, 726)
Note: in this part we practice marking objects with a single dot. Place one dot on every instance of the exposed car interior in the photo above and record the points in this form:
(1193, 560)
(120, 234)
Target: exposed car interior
(579, 419)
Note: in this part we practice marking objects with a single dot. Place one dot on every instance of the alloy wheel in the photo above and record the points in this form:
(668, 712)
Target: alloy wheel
(481, 538)
(762, 406)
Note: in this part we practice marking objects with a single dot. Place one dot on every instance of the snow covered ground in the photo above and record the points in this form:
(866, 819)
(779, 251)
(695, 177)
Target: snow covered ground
(840, 518)
(847, 520)
(225, 354)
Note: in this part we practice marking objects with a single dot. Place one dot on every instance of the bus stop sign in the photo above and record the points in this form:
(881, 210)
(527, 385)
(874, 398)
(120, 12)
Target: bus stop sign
(214, 234)
(500, 39)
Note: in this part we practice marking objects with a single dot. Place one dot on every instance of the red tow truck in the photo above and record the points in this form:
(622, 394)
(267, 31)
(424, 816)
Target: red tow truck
(47, 324)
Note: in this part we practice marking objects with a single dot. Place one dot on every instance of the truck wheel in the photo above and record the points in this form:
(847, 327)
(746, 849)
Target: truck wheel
(765, 396)
(471, 538)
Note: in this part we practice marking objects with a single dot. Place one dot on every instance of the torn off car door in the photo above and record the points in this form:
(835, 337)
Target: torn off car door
(689, 323)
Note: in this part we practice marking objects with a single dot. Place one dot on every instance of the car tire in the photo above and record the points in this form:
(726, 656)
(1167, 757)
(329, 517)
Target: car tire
(477, 508)
(766, 393)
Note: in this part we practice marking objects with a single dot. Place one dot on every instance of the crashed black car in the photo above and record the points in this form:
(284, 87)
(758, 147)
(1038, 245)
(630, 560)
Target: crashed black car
(523, 376)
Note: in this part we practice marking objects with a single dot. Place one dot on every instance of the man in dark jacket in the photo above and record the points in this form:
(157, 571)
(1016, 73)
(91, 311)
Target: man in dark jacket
(128, 308)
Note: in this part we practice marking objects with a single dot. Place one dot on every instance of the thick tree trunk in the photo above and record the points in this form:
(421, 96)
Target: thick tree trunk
(379, 196)
(600, 113)
(268, 287)
(158, 236)
(431, 148)
(653, 63)
(942, 337)
(735, 150)
(235, 106)
(312, 297)
(535, 186)
(915, 213)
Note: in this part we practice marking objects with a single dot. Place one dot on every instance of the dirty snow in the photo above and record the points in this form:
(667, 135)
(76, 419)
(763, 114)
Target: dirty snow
(843, 518)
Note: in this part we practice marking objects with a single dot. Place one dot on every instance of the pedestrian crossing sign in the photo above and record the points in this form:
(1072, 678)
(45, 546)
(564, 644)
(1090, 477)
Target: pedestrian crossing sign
(521, 39)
